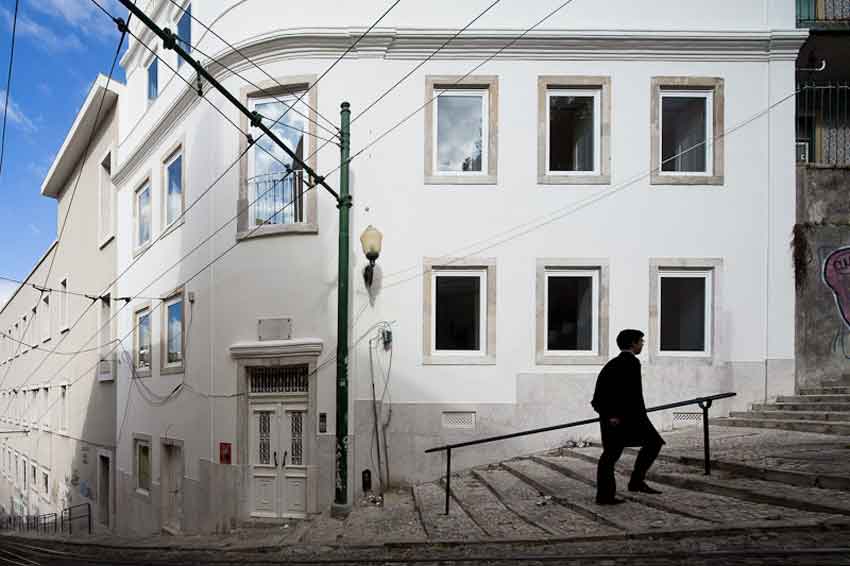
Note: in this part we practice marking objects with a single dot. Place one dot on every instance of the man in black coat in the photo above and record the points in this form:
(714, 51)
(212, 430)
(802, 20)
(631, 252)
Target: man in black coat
(622, 418)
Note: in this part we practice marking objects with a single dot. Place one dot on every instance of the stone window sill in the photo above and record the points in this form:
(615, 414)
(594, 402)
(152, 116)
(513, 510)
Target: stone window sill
(278, 230)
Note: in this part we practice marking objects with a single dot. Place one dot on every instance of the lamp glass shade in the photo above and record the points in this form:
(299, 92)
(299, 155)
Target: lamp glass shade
(371, 239)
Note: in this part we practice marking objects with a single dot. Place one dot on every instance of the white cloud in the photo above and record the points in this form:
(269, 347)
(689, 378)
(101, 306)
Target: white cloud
(7, 288)
(83, 15)
(34, 229)
(16, 116)
(42, 35)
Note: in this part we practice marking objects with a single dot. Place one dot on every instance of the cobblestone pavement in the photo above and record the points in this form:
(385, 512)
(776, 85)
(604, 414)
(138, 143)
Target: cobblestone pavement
(766, 548)
(544, 503)
(782, 450)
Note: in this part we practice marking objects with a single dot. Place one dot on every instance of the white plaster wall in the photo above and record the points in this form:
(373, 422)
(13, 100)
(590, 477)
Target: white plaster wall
(295, 276)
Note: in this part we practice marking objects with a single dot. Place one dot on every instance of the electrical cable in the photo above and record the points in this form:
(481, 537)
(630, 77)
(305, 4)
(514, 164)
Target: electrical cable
(85, 154)
(42, 349)
(8, 85)
(188, 12)
(91, 296)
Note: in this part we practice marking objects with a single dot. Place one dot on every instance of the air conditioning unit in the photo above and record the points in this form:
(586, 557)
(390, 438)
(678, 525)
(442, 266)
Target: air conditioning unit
(802, 152)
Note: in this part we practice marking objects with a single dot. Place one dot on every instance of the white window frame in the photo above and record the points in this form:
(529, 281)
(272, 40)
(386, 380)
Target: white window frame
(481, 273)
(484, 94)
(105, 319)
(64, 392)
(290, 97)
(45, 412)
(137, 210)
(154, 60)
(106, 227)
(172, 157)
(64, 306)
(596, 94)
(137, 316)
(708, 274)
(44, 490)
(708, 94)
(47, 319)
(173, 367)
(137, 444)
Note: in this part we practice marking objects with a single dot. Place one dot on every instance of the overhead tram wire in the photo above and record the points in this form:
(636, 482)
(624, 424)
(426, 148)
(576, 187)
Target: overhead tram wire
(42, 349)
(244, 151)
(182, 284)
(319, 79)
(124, 27)
(8, 84)
(549, 15)
(73, 194)
(265, 92)
(91, 296)
(182, 8)
(539, 222)
(635, 180)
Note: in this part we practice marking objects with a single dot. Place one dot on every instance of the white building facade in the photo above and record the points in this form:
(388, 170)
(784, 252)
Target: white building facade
(57, 369)
(620, 166)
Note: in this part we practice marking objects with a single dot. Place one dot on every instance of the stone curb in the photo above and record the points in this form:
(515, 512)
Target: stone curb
(754, 528)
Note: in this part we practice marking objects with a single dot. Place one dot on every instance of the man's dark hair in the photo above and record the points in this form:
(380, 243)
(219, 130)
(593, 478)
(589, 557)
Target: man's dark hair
(627, 337)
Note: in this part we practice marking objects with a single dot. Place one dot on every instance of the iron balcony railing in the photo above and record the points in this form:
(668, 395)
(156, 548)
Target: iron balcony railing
(823, 13)
(703, 403)
(276, 198)
(823, 122)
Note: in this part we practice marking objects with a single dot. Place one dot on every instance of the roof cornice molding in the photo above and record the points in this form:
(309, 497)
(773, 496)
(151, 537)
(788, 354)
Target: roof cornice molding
(417, 44)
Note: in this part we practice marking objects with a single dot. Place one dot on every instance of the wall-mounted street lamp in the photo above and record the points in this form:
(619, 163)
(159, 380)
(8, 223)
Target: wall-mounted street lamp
(370, 239)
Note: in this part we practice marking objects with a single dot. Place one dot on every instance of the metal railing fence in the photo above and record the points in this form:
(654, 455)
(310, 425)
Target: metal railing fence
(823, 122)
(703, 403)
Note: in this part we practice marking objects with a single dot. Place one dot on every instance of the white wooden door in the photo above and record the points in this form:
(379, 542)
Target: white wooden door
(278, 459)
(294, 477)
(265, 459)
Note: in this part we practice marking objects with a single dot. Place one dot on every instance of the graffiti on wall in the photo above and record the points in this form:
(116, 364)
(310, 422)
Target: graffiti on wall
(836, 276)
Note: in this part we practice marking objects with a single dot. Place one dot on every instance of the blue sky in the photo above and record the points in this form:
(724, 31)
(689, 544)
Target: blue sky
(60, 48)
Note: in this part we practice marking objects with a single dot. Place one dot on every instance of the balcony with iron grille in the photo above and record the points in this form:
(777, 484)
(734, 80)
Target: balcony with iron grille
(823, 122)
(276, 199)
(823, 14)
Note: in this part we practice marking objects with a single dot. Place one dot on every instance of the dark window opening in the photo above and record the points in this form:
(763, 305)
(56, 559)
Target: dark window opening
(683, 139)
(569, 313)
(683, 314)
(458, 313)
(571, 128)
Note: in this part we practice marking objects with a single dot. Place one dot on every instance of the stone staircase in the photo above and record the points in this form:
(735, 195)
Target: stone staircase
(824, 409)
(551, 496)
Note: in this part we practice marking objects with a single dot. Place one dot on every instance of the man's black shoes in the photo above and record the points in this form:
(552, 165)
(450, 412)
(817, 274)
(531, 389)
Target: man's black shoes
(609, 501)
(643, 488)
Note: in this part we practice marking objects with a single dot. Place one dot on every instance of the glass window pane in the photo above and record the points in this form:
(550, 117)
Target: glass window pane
(153, 80)
(458, 316)
(175, 332)
(459, 133)
(571, 131)
(184, 32)
(174, 202)
(144, 340)
(144, 471)
(683, 314)
(683, 122)
(264, 438)
(277, 197)
(569, 313)
(144, 211)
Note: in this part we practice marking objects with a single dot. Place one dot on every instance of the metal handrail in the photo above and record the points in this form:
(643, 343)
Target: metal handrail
(72, 517)
(703, 402)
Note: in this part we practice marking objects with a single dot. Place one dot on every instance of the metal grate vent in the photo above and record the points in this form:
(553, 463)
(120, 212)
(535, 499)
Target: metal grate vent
(281, 379)
(687, 419)
(463, 420)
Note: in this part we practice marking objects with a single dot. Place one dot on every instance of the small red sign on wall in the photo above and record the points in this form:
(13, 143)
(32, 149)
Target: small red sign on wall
(224, 453)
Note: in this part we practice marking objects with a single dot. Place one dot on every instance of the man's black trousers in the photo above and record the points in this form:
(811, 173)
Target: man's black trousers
(606, 485)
